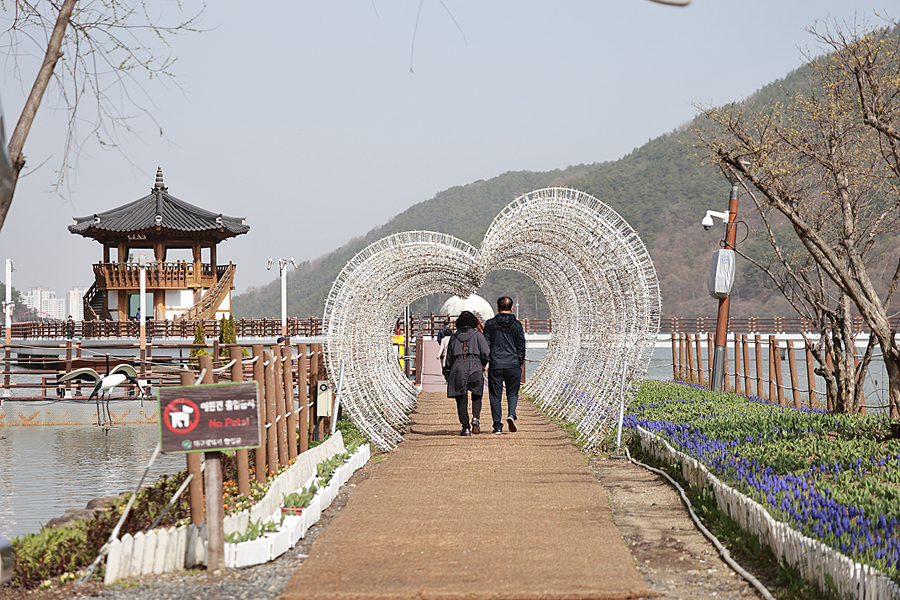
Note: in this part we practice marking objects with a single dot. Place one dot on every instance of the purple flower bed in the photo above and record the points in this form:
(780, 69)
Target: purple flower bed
(833, 477)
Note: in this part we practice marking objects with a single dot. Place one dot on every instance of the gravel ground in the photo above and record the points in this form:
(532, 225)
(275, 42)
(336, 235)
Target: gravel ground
(676, 560)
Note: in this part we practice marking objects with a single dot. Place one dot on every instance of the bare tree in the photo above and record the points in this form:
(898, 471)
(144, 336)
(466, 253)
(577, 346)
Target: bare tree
(828, 160)
(100, 46)
(813, 296)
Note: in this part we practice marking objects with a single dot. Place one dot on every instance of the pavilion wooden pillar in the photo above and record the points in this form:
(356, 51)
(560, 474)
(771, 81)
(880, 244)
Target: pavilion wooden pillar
(212, 260)
(198, 266)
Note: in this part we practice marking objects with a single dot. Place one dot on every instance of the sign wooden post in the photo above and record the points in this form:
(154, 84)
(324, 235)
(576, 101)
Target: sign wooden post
(210, 418)
(194, 467)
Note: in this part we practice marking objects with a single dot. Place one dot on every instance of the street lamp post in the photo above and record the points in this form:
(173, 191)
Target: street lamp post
(142, 309)
(7, 304)
(282, 266)
(719, 357)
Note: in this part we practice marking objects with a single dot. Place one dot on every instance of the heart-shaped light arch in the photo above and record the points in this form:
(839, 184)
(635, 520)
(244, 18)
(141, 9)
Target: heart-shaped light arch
(591, 266)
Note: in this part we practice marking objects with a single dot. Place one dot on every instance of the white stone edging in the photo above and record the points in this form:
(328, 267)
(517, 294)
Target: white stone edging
(811, 557)
(174, 549)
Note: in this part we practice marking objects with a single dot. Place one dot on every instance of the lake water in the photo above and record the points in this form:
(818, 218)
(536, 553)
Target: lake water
(46, 470)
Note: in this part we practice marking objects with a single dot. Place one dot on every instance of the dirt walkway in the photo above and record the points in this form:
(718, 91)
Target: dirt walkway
(490, 516)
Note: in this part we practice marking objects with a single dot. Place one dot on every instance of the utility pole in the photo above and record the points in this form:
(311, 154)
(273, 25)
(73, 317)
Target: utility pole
(719, 355)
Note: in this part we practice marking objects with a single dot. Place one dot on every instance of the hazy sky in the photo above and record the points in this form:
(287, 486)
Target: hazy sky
(304, 116)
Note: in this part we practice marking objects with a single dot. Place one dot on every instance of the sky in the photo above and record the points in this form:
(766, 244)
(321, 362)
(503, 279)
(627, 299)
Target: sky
(318, 121)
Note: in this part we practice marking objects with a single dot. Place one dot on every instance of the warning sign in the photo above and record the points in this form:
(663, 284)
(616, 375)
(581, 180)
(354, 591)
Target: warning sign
(203, 418)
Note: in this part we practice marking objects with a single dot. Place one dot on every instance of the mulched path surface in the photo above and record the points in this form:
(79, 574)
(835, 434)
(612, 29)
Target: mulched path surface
(518, 515)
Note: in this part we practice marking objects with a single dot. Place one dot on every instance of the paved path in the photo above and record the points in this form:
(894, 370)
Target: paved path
(489, 516)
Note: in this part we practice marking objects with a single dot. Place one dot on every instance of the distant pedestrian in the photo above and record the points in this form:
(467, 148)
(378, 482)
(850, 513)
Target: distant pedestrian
(70, 328)
(444, 328)
(467, 357)
(506, 337)
(446, 333)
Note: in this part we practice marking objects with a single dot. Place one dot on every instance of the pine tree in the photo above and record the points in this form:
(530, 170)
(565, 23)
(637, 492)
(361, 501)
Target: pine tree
(199, 338)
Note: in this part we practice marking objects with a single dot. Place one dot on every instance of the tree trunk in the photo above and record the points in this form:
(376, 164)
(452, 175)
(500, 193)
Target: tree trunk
(20, 133)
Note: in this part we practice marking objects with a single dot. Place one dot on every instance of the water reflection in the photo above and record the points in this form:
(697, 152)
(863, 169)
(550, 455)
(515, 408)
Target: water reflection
(46, 470)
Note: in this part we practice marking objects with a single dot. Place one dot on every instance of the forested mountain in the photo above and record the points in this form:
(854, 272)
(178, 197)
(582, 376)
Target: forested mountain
(662, 189)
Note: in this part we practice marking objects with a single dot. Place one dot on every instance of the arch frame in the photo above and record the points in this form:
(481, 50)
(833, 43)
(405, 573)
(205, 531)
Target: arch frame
(590, 264)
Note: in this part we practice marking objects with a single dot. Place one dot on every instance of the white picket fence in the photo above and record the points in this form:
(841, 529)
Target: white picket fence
(166, 550)
(811, 557)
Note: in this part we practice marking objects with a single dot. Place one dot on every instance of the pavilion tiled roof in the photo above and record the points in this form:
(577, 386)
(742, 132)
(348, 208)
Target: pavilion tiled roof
(158, 209)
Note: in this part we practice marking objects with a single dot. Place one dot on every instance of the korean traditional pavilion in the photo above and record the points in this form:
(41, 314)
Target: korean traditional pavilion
(158, 223)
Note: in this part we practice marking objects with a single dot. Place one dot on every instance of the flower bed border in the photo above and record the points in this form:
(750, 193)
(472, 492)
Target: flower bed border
(176, 548)
(811, 557)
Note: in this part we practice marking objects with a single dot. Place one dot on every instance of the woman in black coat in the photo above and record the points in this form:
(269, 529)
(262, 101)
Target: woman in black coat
(467, 357)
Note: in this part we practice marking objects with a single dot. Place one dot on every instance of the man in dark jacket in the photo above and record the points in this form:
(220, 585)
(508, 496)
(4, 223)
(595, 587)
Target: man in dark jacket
(506, 338)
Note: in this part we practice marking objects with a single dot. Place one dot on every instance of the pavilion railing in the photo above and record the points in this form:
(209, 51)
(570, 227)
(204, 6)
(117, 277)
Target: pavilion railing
(166, 275)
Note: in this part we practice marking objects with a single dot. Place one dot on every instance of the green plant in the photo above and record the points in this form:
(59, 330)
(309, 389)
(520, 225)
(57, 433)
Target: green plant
(255, 529)
(199, 338)
(300, 499)
(325, 469)
(228, 335)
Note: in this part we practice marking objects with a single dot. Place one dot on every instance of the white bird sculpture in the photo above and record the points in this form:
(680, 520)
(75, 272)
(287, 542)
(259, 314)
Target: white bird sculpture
(104, 384)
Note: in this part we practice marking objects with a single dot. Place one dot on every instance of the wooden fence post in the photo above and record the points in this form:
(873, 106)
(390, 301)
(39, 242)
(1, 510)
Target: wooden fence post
(259, 375)
(773, 392)
(688, 356)
(810, 377)
(280, 408)
(242, 455)
(699, 348)
(288, 377)
(737, 364)
(194, 466)
(793, 366)
(746, 354)
(778, 373)
(829, 401)
(271, 414)
(758, 352)
(303, 393)
(674, 358)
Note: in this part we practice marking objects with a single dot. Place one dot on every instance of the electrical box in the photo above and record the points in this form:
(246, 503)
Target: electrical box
(721, 273)
(324, 398)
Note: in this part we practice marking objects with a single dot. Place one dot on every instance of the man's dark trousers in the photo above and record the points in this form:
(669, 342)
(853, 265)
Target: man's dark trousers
(512, 378)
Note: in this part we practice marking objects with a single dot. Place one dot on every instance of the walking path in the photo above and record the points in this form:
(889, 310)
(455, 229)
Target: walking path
(489, 516)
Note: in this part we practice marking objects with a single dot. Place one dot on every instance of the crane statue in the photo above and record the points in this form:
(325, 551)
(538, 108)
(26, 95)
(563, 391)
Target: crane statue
(104, 385)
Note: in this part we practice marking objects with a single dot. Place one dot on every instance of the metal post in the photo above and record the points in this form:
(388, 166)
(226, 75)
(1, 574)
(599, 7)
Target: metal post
(283, 265)
(142, 265)
(719, 357)
(7, 305)
(621, 406)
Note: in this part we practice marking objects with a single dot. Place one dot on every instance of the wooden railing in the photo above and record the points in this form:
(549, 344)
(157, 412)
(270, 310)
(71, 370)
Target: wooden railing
(165, 275)
(212, 299)
(262, 328)
(754, 325)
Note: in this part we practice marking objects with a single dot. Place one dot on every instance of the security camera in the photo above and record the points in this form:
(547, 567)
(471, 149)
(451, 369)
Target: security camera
(707, 221)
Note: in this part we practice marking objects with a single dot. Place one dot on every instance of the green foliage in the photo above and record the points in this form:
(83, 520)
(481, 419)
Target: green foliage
(199, 338)
(50, 553)
(302, 498)
(352, 437)
(325, 469)
(783, 581)
(255, 529)
(228, 335)
(849, 461)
